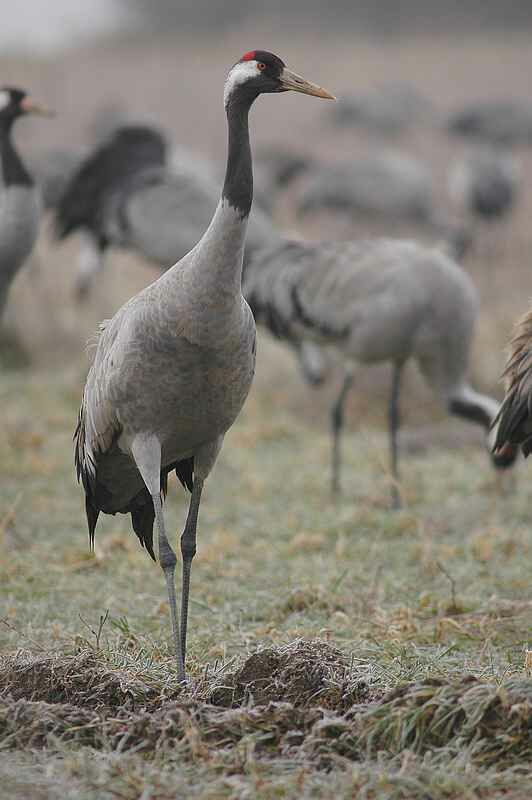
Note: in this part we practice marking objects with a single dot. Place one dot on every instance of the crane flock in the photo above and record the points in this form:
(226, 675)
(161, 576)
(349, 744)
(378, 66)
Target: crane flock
(173, 367)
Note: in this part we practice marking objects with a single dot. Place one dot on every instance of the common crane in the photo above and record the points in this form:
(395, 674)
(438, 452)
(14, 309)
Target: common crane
(173, 367)
(19, 197)
(373, 301)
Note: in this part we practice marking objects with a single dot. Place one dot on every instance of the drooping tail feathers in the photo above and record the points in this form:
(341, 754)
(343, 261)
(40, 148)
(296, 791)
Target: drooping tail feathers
(130, 149)
(513, 423)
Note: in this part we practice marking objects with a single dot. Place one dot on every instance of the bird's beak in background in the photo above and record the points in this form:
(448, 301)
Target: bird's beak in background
(295, 83)
(29, 107)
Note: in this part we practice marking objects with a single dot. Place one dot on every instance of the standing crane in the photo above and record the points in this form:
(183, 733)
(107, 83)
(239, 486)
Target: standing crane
(373, 301)
(173, 367)
(19, 197)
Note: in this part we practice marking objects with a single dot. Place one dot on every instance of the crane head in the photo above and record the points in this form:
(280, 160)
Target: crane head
(16, 103)
(259, 71)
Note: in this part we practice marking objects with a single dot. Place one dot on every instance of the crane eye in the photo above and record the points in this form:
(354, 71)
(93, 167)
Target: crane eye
(261, 66)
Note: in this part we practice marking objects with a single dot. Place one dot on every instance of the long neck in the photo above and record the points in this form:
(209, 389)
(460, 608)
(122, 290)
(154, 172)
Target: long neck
(13, 171)
(216, 262)
(238, 184)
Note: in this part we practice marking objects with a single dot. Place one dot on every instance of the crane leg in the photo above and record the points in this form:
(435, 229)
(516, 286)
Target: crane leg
(337, 424)
(167, 560)
(91, 261)
(146, 451)
(394, 422)
(188, 551)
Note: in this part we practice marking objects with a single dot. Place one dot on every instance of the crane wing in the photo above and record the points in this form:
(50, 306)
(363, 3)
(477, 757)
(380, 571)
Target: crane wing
(98, 425)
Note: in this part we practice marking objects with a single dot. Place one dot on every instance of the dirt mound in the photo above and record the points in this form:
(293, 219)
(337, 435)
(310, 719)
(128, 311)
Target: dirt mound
(303, 673)
(304, 700)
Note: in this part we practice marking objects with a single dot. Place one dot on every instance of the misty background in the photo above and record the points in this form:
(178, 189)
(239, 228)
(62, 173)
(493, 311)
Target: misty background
(164, 62)
(44, 26)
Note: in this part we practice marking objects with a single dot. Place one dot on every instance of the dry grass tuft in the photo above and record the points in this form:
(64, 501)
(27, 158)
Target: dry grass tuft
(494, 722)
(81, 679)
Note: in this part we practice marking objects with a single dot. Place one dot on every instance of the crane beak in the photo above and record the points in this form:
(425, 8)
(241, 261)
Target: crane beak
(28, 106)
(290, 81)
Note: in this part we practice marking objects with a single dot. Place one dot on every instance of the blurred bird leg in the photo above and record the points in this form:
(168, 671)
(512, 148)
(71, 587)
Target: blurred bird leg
(90, 262)
(394, 422)
(337, 424)
(313, 363)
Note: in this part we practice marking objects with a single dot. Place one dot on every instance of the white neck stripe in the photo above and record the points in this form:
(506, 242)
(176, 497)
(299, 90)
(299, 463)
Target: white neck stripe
(240, 73)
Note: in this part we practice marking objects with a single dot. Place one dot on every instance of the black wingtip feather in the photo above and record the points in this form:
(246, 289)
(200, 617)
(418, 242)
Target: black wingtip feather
(142, 520)
(92, 518)
(185, 472)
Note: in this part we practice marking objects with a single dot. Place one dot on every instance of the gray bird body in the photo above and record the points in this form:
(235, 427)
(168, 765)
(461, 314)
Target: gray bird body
(20, 205)
(506, 121)
(176, 361)
(369, 302)
(388, 110)
(173, 367)
(485, 183)
(158, 212)
(163, 215)
(393, 299)
(390, 185)
(20, 210)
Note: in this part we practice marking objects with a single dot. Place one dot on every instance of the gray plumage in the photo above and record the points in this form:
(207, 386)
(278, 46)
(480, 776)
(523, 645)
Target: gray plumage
(174, 365)
(52, 170)
(388, 111)
(485, 183)
(164, 212)
(157, 210)
(20, 203)
(506, 122)
(275, 169)
(20, 210)
(373, 301)
(385, 184)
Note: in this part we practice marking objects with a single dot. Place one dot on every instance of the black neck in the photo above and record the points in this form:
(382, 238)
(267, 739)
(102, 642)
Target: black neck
(471, 412)
(13, 171)
(238, 184)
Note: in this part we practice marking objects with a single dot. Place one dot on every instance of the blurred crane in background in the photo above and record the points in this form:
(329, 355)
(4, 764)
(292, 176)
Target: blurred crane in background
(126, 194)
(385, 186)
(20, 205)
(373, 301)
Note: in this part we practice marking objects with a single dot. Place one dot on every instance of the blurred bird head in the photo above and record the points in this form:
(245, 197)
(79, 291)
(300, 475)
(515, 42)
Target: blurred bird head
(260, 72)
(16, 103)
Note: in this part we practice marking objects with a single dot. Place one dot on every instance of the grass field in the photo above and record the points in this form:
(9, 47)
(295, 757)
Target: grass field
(433, 600)
(336, 648)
